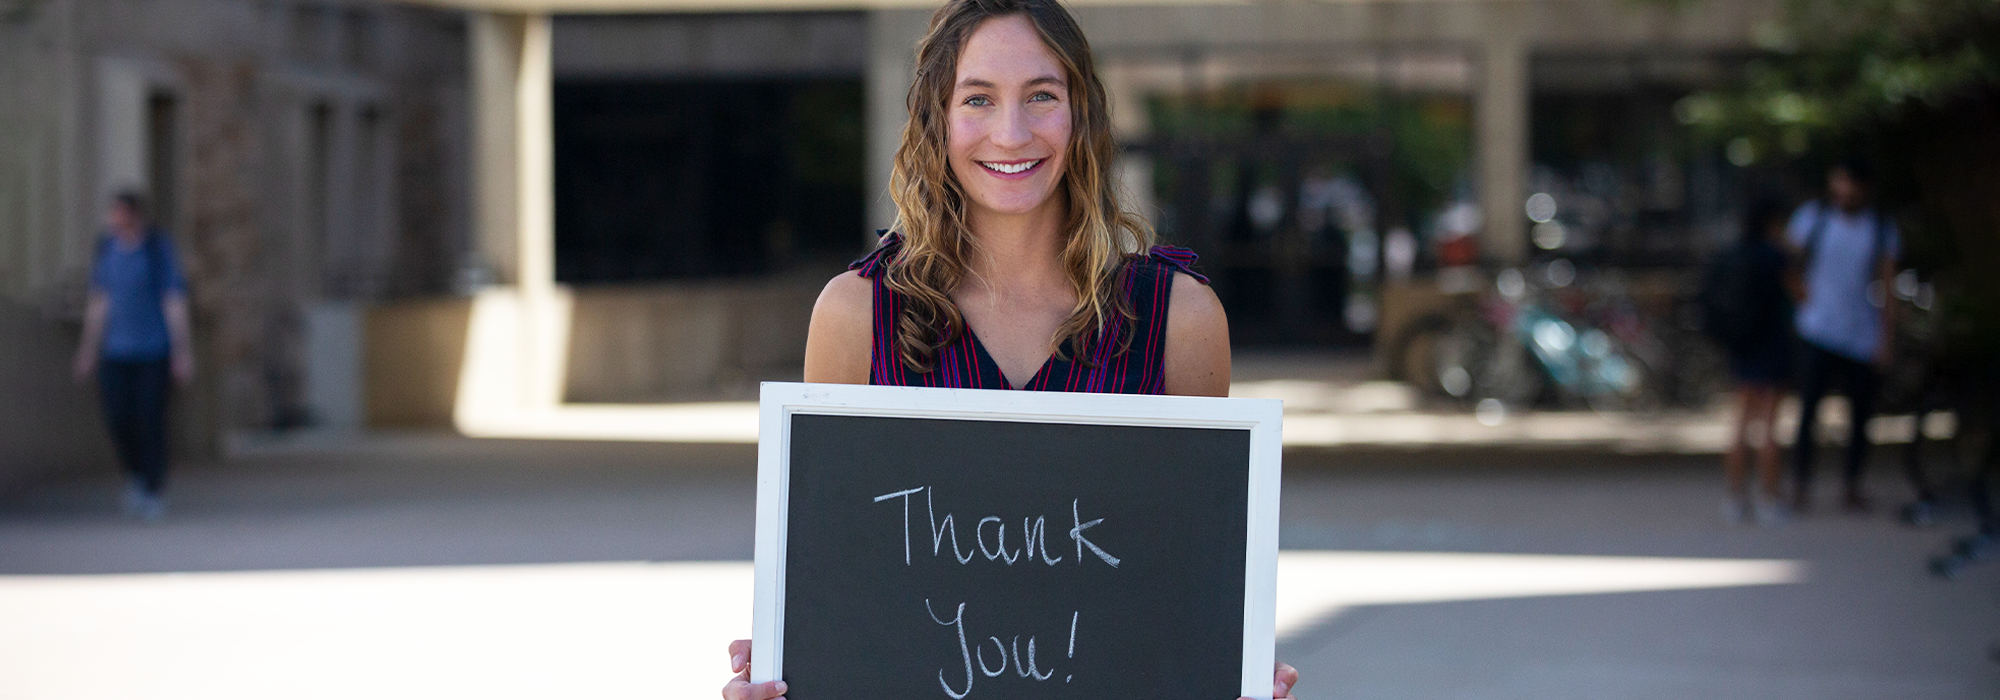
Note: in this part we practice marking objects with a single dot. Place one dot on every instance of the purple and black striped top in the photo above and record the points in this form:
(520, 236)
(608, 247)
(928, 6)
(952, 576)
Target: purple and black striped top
(964, 363)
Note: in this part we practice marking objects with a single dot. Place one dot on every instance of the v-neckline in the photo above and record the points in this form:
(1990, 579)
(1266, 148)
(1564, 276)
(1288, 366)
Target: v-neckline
(986, 358)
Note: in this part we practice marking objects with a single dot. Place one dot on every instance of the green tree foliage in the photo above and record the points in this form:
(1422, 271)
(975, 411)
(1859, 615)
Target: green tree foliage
(1913, 85)
(1832, 68)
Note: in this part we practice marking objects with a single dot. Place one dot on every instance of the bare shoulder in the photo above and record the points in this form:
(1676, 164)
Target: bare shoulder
(841, 333)
(1195, 303)
(847, 294)
(1197, 352)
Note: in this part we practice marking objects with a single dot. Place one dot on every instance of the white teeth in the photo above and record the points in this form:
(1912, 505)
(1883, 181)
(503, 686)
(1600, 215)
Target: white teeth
(1011, 169)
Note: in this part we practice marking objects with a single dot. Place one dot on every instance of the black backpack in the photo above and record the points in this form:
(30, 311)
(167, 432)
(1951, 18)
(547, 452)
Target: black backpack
(1733, 312)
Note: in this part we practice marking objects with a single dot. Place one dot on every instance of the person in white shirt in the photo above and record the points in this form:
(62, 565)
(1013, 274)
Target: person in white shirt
(1849, 249)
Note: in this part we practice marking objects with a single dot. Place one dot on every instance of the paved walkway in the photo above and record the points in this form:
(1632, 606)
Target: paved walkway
(435, 566)
(1332, 400)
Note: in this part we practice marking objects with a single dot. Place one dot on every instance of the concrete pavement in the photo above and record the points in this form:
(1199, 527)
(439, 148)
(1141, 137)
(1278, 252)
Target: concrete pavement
(427, 565)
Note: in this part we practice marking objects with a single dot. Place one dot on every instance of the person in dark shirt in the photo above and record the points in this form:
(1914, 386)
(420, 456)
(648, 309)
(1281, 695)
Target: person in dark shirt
(1756, 332)
(135, 339)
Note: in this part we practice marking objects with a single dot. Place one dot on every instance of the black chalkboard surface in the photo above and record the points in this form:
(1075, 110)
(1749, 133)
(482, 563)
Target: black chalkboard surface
(964, 544)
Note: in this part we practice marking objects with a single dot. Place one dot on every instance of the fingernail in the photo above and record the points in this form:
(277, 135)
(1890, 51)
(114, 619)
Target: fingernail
(1284, 690)
(780, 686)
(736, 662)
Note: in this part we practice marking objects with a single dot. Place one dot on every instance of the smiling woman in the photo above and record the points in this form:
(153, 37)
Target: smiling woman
(1011, 263)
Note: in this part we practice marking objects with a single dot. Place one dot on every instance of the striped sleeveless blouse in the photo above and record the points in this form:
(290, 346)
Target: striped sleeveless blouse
(1148, 282)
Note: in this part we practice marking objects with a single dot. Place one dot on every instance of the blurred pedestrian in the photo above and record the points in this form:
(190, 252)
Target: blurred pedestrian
(136, 339)
(1747, 304)
(1848, 249)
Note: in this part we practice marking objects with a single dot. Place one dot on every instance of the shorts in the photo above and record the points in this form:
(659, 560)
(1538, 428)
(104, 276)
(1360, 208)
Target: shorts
(1766, 364)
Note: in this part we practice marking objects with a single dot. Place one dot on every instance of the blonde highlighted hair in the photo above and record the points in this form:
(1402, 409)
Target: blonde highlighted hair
(1099, 234)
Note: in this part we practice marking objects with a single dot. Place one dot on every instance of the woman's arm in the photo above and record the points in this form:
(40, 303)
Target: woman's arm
(1197, 357)
(839, 340)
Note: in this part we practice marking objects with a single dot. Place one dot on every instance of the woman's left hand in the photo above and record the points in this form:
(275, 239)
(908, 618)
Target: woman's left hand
(740, 687)
(1282, 681)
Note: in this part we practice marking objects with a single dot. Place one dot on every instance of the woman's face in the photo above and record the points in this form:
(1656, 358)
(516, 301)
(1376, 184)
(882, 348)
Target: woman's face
(1009, 119)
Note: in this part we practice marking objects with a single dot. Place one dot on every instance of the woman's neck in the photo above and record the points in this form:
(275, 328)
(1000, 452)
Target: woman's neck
(1018, 252)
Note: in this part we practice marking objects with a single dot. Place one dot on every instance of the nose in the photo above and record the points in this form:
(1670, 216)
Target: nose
(1013, 131)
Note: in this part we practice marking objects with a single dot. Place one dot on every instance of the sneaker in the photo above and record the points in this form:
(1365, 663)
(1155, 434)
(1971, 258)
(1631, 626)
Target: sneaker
(152, 508)
(1770, 513)
(133, 500)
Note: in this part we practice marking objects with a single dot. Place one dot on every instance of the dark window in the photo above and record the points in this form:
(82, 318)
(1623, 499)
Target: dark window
(318, 178)
(678, 179)
(162, 158)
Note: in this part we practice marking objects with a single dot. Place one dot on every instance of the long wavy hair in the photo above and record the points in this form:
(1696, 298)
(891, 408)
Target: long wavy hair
(938, 246)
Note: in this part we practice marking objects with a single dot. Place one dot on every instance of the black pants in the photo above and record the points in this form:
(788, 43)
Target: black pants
(134, 393)
(1859, 382)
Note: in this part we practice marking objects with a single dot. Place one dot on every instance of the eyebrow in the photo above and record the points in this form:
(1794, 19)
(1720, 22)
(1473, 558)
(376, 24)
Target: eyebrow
(988, 84)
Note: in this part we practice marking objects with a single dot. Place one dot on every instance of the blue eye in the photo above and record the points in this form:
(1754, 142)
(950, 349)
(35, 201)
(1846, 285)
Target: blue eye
(1040, 96)
(978, 101)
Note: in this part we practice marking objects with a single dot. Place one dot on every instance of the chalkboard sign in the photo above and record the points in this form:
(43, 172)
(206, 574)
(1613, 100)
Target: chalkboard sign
(964, 544)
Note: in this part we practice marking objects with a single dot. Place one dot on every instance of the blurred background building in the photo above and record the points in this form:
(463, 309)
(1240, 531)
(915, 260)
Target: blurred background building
(641, 198)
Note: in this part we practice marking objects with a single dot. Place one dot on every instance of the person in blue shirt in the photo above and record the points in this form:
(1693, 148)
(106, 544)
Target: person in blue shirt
(1850, 249)
(135, 340)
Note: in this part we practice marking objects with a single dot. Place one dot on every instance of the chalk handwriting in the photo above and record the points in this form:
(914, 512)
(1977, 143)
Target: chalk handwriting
(999, 541)
(1076, 533)
(905, 495)
(958, 621)
(1034, 534)
(992, 543)
(1008, 652)
(1038, 539)
(1072, 641)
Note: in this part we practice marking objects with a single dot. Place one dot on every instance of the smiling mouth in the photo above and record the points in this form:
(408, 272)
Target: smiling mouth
(1012, 168)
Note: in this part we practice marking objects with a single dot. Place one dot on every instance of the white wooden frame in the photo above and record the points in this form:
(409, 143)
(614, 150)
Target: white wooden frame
(780, 401)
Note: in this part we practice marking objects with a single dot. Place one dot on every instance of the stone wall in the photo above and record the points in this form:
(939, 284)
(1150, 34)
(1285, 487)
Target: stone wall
(412, 355)
(48, 423)
(659, 343)
(638, 344)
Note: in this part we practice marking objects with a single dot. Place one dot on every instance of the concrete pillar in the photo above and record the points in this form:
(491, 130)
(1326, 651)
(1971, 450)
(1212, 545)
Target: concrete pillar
(513, 148)
(892, 41)
(494, 43)
(513, 170)
(1501, 124)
